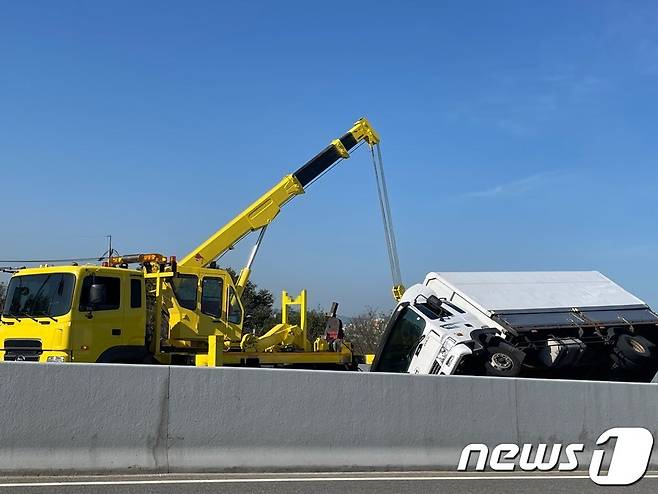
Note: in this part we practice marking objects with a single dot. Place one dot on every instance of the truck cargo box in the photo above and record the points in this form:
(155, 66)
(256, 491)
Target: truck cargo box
(533, 300)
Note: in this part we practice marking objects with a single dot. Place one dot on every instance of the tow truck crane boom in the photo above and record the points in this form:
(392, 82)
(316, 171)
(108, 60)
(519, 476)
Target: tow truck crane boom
(263, 211)
(187, 312)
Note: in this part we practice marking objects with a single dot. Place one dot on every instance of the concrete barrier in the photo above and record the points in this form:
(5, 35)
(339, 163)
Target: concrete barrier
(105, 418)
(83, 418)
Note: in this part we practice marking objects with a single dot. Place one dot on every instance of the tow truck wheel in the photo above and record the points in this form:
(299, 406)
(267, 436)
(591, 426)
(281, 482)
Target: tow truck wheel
(502, 361)
(632, 351)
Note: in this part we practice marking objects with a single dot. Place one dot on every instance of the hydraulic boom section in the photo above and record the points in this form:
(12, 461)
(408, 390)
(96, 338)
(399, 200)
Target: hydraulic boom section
(262, 212)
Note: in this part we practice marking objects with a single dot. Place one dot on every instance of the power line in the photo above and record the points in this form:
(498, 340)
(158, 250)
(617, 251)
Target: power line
(108, 253)
(31, 261)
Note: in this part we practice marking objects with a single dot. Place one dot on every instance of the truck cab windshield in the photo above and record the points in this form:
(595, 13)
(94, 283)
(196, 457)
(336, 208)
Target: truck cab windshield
(401, 340)
(39, 295)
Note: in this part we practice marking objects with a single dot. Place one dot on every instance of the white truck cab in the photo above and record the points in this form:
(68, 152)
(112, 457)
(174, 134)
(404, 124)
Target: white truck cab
(546, 324)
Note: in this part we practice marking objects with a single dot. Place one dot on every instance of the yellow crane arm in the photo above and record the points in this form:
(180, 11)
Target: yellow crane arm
(262, 212)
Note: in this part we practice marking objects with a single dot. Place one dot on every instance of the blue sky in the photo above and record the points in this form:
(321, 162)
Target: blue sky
(516, 135)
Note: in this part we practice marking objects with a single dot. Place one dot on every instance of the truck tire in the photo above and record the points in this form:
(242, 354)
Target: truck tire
(123, 355)
(632, 352)
(503, 360)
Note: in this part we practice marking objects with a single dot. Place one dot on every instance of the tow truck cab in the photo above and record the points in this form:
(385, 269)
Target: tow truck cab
(48, 313)
(102, 314)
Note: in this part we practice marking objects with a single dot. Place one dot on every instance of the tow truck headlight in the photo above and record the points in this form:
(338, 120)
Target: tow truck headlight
(450, 342)
(56, 358)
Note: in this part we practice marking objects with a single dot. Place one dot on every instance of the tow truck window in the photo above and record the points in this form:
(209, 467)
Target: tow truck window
(111, 293)
(211, 296)
(234, 307)
(39, 295)
(185, 287)
(135, 294)
(401, 341)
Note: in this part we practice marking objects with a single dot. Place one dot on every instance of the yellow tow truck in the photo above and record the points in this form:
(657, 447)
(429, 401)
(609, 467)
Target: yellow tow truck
(167, 311)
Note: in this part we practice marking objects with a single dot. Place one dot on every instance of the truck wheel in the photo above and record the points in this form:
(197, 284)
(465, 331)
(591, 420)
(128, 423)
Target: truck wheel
(502, 361)
(631, 351)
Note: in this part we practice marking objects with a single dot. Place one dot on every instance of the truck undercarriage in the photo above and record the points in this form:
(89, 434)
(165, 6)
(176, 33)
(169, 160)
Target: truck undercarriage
(587, 343)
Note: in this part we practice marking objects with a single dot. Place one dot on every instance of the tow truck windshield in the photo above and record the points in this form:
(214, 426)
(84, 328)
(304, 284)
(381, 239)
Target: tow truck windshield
(39, 295)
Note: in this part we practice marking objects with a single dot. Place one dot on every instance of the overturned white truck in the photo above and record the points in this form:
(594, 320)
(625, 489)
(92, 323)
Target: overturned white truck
(574, 325)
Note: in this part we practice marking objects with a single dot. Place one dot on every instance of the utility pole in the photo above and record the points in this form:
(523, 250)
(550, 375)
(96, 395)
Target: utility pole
(109, 252)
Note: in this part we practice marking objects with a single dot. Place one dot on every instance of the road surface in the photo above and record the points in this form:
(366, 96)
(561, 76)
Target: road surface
(329, 483)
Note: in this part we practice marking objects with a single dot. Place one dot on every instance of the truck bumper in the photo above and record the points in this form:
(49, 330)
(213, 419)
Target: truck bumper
(50, 356)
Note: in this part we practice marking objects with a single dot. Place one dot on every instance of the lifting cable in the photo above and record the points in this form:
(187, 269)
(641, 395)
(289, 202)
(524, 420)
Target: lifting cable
(382, 191)
(384, 205)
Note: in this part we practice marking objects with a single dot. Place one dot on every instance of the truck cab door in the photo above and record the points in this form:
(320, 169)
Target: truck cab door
(99, 318)
(183, 314)
(211, 320)
(220, 308)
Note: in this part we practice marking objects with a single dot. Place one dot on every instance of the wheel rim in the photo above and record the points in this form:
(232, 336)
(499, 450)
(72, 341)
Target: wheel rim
(501, 361)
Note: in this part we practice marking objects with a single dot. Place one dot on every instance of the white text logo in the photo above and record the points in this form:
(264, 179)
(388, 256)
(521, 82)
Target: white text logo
(628, 461)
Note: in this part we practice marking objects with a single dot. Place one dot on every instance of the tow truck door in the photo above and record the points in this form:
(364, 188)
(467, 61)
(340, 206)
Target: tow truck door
(211, 296)
(99, 325)
(217, 306)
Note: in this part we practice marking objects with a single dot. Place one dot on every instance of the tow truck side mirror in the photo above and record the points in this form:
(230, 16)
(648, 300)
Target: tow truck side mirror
(96, 295)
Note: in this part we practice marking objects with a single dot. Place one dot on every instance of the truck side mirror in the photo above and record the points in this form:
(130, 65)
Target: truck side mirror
(434, 303)
(96, 295)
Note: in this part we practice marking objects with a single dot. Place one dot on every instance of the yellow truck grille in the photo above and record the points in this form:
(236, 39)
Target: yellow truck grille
(22, 350)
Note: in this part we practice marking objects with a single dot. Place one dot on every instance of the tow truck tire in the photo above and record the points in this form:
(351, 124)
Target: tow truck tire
(503, 360)
(631, 351)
